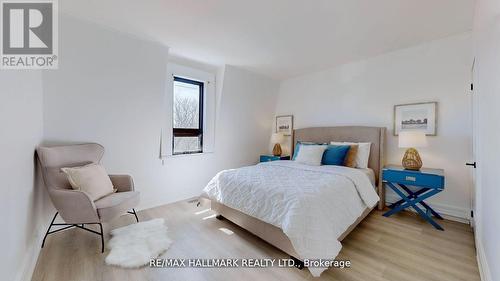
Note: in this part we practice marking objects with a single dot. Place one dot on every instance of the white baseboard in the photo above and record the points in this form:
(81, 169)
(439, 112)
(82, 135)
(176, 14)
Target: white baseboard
(448, 212)
(25, 272)
(484, 269)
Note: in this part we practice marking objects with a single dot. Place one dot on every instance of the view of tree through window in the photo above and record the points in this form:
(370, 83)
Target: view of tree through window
(186, 105)
(187, 116)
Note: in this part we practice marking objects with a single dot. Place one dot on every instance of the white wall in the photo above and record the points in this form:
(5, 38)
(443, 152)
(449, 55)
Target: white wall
(364, 93)
(245, 118)
(487, 96)
(110, 88)
(24, 203)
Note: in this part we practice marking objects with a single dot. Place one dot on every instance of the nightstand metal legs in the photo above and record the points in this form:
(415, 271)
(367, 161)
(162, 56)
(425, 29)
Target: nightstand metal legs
(414, 195)
(412, 199)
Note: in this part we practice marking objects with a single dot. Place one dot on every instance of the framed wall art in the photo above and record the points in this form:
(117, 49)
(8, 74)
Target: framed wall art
(416, 116)
(284, 124)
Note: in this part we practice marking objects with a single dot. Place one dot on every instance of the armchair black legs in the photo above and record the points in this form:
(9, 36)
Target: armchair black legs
(135, 214)
(81, 226)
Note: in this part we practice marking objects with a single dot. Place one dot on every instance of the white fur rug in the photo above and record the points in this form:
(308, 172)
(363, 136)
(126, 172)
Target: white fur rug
(134, 245)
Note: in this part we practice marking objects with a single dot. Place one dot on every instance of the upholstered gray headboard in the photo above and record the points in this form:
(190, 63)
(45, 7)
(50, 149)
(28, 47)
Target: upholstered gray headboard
(375, 135)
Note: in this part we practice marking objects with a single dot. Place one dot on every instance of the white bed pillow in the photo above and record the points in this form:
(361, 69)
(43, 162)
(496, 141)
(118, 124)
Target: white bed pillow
(91, 178)
(310, 154)
(363, 152)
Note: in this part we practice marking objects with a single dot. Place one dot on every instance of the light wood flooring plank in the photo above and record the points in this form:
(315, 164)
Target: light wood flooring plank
(401, 247)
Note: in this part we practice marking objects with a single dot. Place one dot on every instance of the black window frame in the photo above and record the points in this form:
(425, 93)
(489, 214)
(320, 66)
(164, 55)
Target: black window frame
(190, 132)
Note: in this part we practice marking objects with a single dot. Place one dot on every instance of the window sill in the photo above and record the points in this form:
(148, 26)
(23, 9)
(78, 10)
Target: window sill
(185, 155)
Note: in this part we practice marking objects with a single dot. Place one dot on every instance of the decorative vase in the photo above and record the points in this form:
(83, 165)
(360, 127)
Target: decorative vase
(277, 150)
(411, 160)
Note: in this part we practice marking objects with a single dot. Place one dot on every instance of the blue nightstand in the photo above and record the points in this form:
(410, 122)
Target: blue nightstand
(267, 158)
(429, 183)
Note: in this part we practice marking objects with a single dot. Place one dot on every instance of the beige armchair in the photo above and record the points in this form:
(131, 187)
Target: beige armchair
(75, 207)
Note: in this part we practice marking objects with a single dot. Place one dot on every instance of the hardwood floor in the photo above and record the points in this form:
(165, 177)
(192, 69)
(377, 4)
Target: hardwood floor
(402, 247)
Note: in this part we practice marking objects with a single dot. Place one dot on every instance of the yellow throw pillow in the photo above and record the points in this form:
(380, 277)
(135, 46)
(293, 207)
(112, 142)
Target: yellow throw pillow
(350, 158)
(91, 178)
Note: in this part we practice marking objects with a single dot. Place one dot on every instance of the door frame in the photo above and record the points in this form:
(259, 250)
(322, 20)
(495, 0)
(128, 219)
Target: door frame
(474, 192)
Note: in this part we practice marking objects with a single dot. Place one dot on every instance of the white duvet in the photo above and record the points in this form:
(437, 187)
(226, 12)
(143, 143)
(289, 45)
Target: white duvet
(313, 205)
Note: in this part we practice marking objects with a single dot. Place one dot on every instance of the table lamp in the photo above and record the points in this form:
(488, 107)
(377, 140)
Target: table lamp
(277, 138)
(411, 140)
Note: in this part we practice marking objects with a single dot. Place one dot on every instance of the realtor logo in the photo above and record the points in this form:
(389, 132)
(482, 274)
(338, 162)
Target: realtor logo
(29, 34)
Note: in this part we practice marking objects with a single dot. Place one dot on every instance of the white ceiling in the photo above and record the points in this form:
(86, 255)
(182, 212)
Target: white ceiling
(280, 38)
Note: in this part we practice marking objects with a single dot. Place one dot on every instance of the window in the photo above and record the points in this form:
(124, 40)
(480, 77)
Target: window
(190, 100)
(187, 116)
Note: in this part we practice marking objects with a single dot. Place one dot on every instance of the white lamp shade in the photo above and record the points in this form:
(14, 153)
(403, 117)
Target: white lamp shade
(412, 139)
(277, 138)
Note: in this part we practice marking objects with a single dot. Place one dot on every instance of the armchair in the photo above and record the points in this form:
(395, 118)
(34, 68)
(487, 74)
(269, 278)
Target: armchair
(74, 206)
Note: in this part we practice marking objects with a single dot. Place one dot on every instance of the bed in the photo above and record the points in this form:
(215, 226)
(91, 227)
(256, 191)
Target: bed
(305, 211)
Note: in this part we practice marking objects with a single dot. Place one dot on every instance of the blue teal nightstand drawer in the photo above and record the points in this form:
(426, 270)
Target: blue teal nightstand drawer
(414, 178)
(267, 158)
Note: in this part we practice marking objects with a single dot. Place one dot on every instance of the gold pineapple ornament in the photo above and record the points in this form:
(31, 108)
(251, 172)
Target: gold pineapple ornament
(411, 139)
(412, 160)
(277, 150)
